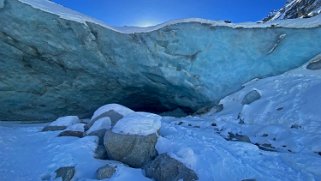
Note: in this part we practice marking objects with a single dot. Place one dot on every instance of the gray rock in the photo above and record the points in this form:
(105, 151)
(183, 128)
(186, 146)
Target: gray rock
(78, 134)
(66, 173)
(315, 64)
(113, 115)
(101, 153)
(251, 97)
(54, 128)
(133, 150)
(105, 172)
(100, 134)
(165, 168)
(62, 67)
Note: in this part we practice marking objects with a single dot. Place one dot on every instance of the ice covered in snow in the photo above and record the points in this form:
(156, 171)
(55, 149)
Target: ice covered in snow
(138, 123)
(102, 123)
(65, 121)
(115, 107)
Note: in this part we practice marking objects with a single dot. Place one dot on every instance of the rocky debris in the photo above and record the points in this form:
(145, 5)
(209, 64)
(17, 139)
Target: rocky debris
(105, 172)
(266, 147)
(101, 153)
(315, 64)
(65, 173)
(54, 128)
(78, 134)
(133, 150)
(165, 168)
(251, 97)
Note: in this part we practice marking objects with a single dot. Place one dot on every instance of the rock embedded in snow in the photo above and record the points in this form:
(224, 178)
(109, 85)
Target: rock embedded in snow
(105, 172)
(102, 123)
(100, 134)
(65, 173)
(133, 150)
(100, 152)
(113, 112)
(78, 134)
(138, 123)
(54, 128)
(65, 121)
(315, 64)
(251, 97)
(165, 168)
(77, 65)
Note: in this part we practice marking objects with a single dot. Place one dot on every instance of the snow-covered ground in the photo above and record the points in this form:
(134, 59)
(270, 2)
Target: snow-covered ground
(276, 137)
(26, 154)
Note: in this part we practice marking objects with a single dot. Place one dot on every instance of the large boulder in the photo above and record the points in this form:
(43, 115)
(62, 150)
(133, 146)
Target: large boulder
(251, 97)
(54, 62)
(165, 168)
(133, 139)
(62, 123)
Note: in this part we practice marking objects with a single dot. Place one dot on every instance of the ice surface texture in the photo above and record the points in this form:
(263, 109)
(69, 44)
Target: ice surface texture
(62, 66)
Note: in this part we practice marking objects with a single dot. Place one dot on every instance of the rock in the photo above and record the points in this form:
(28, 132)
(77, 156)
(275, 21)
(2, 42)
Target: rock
(249, 179)
(66, 173)
(251, 97)
(105, 172)
(100, 134)
(65, 121)
(238, 137)
(78, 134)
(315, 64)
(54, 128)
(114, 112)
(102, 123)
(100, 153)
(71, 66)
(133, 150)
(165, 168)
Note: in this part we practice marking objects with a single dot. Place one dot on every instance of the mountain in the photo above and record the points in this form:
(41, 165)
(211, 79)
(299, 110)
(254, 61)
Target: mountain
(296, 9)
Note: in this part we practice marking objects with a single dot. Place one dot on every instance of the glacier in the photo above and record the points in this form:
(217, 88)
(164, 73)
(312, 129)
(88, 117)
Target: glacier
(56, 62)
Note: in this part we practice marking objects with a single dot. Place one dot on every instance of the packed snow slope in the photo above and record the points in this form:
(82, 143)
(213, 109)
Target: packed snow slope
(59, 62)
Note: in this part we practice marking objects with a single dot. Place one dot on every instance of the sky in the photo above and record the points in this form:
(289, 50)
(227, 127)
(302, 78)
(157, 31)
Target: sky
(152, 12)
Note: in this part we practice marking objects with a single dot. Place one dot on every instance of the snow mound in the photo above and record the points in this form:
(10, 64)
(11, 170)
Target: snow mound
(102, 123)
(77, 127)
(138, 123)
(115, 107)
(65, 121)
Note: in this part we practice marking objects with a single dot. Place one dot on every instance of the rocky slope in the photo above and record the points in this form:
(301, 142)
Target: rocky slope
(55, 62)
(296, 9)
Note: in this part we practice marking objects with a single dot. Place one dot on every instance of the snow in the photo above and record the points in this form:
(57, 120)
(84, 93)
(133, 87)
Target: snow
(65, 121)
(77, 127)
(102, 123)
(68, 14)
(138, 123)
(28, 154)
(115, 107)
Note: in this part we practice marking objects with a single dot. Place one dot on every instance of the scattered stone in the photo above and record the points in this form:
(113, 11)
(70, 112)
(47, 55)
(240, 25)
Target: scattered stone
(265, 135)
(279, 109)
(54, 128)
(296, 126)
(251, 97)
(213, 124)
(197, 127)
(266, 147)
(101, 153)
(78, 134)
(190, 125)
(165, 168)
(133, 150)
(315, 64)
(66, 173)
(227, 21)
(249, 179)
(180, 123)
(238, 137)
(105, 172)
